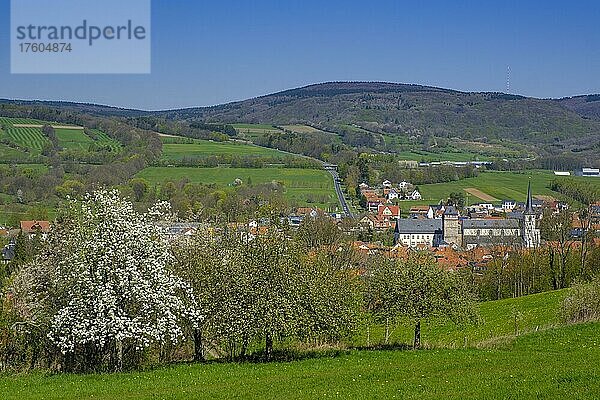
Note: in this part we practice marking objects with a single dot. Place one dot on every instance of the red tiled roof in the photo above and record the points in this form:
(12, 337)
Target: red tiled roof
(35, 226)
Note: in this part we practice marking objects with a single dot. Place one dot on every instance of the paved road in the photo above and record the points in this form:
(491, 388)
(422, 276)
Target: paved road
(338, 189)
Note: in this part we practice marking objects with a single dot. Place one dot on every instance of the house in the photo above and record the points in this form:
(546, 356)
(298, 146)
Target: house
(308, 212)
(295, 220)
(363, 186)
(449, 258)
(387, 184)
(485, 206)
(368, 248)
(388, 212)
(408, 163)
(418, 232)
(508, 205)
(593, 172)
(435, 211)
(392, 195)
(414, 195)
(377, 223)
(182, 229)
(404, 186)
(32, 228)
(374, 201)
(419, 211)
(8, 252)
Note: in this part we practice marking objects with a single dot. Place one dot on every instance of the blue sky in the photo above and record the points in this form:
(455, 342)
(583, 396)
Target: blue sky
(206, 53)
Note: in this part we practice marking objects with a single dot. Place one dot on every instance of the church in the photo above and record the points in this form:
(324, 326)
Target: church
(470, 233)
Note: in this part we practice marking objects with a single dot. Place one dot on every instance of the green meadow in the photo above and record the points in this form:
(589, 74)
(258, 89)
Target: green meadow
(178, 149)
(559, 362)
(500, 185)
(304, 186)
(255, 131)
(497, 319)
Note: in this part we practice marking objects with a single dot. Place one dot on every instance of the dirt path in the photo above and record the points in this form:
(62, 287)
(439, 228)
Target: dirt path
(545, 198)
(40, 126)
(483, 196)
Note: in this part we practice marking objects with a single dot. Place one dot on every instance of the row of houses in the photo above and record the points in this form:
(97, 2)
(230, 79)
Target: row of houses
(476, 259)
(447, 258)
(388, 193)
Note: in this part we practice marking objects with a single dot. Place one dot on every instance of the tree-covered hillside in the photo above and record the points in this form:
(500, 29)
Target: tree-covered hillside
(417, 112)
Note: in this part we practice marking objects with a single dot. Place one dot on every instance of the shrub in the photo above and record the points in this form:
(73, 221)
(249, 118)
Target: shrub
(583, 303)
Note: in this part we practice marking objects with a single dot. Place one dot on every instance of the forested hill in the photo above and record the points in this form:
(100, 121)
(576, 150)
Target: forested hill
(414, 110)
(85, 108)
(587, 106)
(361, 111)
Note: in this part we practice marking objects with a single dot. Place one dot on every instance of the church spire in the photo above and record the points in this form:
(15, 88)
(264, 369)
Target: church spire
(529, 205)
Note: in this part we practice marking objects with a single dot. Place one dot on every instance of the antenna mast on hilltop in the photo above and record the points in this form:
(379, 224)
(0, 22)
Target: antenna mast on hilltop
(508, 79)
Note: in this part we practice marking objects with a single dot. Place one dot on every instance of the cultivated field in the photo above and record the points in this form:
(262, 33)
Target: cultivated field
(27, 133)
(305, 186)
(21, 121)
(562, 362)
(479, 194)
(31, 138)
(73, 138)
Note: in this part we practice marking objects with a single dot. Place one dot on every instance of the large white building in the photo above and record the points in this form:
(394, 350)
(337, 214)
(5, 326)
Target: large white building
(469, 233)
(415, 232)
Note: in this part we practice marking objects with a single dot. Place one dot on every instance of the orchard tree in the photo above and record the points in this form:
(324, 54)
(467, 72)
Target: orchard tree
(208, 264)
(102, 287)
(558, 228)
(419, 290)
(329, 297)
(272, 265)
(317, 232)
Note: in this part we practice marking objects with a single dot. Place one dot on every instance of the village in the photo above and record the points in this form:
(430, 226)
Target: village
(457, 235)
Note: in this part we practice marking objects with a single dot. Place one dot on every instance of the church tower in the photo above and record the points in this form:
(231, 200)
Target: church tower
(451, 226)
(530, 232)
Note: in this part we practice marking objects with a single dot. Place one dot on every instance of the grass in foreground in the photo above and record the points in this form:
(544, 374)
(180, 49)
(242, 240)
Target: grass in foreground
(559, 363)
(498, 319)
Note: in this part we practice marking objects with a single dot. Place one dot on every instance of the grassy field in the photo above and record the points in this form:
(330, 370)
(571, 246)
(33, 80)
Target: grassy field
(178, 149)
(73, 138)
(563, 362)
(501, 185)
(255, 131)
(21, 121)
(497, 319)
(302, 129)
(305, 186)
(426, 156)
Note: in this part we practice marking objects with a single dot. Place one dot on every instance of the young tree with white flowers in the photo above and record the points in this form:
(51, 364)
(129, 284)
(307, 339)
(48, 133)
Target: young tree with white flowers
(102, 286)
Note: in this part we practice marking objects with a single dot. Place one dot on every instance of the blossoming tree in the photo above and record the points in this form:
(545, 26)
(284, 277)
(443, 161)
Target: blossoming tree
(107, 290)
